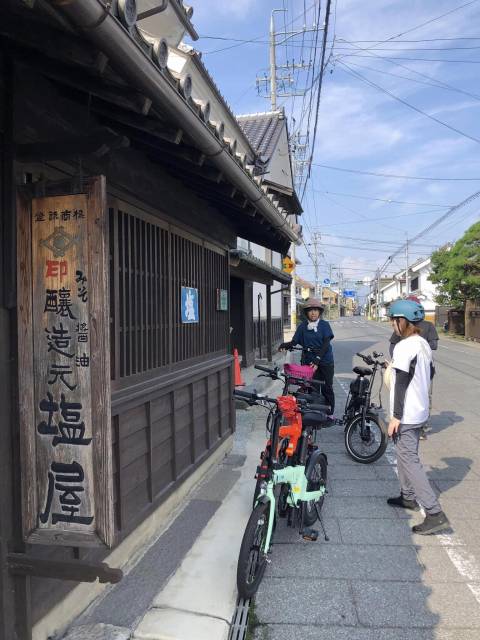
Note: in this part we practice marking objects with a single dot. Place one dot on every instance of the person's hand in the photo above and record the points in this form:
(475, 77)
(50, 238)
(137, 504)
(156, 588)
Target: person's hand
(285, 346)
(314, 366)
(393, 426)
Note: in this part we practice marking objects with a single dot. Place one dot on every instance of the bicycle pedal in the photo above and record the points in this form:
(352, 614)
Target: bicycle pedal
(310, 534)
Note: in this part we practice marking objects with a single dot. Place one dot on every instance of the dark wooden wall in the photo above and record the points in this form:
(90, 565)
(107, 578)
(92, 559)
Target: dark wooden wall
(171, 383)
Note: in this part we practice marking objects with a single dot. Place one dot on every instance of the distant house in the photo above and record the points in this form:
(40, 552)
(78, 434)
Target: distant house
(419, 285)
(304, 289)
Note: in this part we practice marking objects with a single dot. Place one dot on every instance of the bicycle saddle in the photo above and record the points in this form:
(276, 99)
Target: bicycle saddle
(362, 371)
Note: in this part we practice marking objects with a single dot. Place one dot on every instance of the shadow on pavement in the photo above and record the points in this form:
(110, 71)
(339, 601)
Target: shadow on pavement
(443, 420)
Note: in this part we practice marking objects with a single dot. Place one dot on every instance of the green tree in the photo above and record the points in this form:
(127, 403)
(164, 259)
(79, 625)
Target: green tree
(456, 269)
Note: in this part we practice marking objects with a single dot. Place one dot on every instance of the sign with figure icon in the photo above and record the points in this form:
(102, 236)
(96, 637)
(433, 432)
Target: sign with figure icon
(189, 305)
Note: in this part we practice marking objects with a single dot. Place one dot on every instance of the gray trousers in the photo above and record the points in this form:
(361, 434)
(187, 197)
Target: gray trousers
(414, 483)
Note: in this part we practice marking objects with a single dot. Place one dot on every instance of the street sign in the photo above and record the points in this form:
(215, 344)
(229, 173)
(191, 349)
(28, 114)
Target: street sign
(348, 293)
(288, 264)
(326, 281)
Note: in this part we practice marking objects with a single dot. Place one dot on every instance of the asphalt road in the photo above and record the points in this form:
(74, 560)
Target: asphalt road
(374, 579)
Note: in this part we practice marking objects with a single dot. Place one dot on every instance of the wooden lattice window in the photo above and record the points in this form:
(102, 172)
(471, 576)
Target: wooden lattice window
(149, 263)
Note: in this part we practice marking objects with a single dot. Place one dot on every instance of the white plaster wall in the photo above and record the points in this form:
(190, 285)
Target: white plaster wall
(259, 288)
(276, 300)
(279, 170)
(276, 260)
(258, 251)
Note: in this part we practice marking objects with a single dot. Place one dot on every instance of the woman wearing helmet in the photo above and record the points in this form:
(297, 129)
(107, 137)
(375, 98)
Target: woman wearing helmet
(411, 377)
(316, 333)
(427, 331)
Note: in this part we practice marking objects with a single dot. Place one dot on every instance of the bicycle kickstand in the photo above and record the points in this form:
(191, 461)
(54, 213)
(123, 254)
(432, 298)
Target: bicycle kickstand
(321, 523)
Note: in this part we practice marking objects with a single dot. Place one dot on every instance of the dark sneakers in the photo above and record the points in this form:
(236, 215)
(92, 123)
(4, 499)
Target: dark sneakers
(433, 523)
(402, 502)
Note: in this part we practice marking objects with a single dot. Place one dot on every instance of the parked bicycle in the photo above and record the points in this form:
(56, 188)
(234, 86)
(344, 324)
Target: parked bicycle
(365, 435)
(292, 491)
(306, 390)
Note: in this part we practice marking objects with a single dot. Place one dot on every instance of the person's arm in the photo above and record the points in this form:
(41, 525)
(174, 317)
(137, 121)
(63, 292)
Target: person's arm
(297, 339)
(402, 380)
(321, 351)
(432, 338)
(394, 339)
(402, 363)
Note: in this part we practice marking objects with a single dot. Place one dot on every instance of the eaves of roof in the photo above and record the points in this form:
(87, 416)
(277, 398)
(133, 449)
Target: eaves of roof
(184, 14)
(202, 69)
(116, 41)
(260, 267)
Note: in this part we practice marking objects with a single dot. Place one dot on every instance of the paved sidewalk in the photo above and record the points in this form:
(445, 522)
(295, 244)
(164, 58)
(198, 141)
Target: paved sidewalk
(374, 579)
(184, 586)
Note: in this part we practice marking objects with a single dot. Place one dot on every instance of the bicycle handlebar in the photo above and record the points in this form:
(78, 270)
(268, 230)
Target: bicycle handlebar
(271, 372)
(369, 360)
(252, 396)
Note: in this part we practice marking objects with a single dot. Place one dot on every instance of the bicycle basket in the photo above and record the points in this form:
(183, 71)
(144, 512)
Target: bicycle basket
(298, 370)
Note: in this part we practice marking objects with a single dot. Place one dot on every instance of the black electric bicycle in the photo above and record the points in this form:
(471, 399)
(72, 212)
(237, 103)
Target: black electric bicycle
(366, 436)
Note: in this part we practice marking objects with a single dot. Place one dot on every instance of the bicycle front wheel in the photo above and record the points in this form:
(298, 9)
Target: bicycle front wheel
(252, 558)
(319, 475)
(367, 444)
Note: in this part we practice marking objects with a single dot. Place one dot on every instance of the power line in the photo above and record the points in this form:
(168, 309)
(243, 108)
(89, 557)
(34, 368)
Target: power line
(475, 47)
(450, 212)
(388, 201)
(436, 84)
(372, 241)
(359, 55)
(404, 215)
(392, 175)
(408, 104)
(320, 82)
(422, 24)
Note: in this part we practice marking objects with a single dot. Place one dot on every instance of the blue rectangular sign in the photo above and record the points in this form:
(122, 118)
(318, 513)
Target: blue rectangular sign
(189, 305)
(349, 293)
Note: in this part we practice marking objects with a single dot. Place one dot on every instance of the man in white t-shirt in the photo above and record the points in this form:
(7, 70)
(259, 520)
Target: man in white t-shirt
(409, 409)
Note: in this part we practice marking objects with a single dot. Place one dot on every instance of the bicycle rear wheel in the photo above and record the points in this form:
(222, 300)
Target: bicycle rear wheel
(367, 445)
(252, 560)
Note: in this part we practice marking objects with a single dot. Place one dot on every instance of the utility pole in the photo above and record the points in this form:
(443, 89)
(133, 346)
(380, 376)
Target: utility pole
(293, 295)
(407, 277)
(330, 288)
(377, 310)
(273, 63)
(316, 238)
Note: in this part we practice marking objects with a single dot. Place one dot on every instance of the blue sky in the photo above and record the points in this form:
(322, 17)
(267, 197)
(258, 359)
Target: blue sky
(363, 128)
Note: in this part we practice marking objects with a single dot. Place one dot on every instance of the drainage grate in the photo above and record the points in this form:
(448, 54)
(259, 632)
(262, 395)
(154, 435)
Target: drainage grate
(238, 629)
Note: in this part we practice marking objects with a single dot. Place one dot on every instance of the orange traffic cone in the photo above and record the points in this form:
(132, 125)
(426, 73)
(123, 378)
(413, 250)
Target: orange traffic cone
(236, 368)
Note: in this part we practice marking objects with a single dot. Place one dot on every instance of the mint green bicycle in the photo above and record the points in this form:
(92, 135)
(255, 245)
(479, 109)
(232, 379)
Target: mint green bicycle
(293, 491)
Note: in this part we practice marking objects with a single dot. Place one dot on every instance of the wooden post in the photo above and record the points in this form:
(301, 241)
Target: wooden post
(269, 324)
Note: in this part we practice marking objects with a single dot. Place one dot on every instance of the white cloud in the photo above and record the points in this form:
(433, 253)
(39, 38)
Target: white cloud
(213, 9)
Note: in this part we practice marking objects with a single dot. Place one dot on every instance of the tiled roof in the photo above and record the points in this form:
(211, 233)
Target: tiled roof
(263, 130)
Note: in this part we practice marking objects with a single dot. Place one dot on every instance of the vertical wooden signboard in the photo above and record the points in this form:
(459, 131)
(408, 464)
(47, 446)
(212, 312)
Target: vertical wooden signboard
(64, 370)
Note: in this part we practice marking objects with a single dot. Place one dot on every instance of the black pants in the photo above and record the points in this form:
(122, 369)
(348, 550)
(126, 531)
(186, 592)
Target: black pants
(325, 372)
